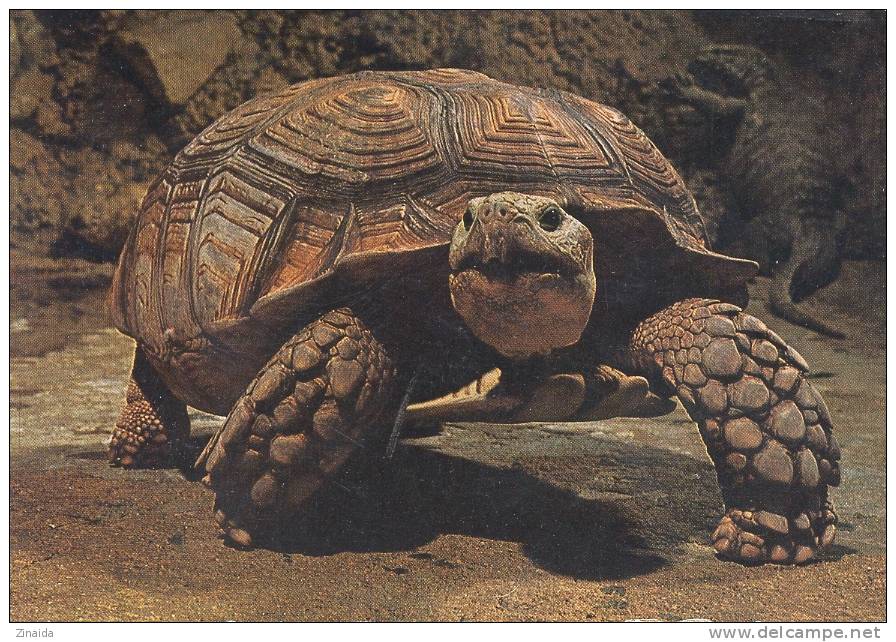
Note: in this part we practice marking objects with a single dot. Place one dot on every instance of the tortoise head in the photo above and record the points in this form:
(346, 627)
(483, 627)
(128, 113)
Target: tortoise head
(522, 273)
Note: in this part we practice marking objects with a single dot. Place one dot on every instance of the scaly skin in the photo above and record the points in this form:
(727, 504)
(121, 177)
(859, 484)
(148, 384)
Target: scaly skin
(778, 169)
(767, 430)
(299, 420)
(151, 422)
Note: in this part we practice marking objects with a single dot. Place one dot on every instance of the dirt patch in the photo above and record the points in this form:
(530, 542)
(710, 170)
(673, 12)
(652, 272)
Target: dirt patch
(600, 521)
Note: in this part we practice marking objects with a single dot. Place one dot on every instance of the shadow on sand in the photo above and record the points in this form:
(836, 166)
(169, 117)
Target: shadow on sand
(403, 504)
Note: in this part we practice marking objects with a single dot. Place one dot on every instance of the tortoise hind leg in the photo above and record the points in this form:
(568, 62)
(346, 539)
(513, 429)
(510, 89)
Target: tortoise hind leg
(152, 421)
(766, 429)
(298, 421)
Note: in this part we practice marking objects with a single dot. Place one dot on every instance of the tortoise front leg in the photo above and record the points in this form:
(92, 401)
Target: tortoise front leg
(766, 428)
(151, 422)
(683, 87)
(307, 410)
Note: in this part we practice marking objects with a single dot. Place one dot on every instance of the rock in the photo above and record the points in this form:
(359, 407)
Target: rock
(325, 336)
(348, 348)
(805, 396)
(235, 433)
(239, 537)
(328, 423)
(262, 427)
(172, 55)
(749, 323)
(833, 448)
(827, 537)
(778, 554)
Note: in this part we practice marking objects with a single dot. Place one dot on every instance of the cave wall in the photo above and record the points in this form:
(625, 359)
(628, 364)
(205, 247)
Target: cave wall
(101, 100)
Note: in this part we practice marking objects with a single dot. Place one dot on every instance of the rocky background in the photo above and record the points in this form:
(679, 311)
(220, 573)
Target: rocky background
(101, 100)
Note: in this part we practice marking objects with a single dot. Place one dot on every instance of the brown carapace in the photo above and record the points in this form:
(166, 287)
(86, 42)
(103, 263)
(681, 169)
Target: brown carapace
(291, 269)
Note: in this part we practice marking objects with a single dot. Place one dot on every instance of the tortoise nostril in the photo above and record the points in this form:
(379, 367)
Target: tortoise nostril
(468, 218)
(503, 212)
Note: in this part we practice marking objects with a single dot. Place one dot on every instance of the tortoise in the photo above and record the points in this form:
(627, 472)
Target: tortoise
(305, 257)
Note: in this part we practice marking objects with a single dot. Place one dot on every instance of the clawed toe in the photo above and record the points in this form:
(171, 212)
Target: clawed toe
(759, 537)
(129, 450)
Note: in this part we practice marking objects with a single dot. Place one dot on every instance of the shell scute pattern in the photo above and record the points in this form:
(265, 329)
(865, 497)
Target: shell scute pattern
(282, 190)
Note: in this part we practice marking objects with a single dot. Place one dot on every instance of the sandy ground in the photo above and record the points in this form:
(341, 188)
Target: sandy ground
(601, 521)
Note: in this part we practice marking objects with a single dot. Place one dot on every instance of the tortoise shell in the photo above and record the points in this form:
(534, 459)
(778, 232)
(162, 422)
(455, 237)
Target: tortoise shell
(347, 179)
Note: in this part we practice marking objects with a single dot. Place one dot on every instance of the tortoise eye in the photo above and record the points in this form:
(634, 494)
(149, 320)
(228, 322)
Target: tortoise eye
(550, 219)
(468, 218)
